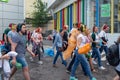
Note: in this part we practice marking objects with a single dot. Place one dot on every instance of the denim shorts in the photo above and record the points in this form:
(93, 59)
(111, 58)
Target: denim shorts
(22, 61)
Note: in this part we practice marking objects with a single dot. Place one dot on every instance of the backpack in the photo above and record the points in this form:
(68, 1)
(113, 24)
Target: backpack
(64, 45)
(113, 55)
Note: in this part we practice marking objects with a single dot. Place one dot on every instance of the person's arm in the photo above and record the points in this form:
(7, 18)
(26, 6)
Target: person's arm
(79, 40)
(5, 38)
(55, 42)
(13, 47)
(102, 36)
(90, 38)
(14, 44)
(30, 51)
(9, 38)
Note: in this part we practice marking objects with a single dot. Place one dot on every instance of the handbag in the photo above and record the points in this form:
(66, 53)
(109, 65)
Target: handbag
(84, 49)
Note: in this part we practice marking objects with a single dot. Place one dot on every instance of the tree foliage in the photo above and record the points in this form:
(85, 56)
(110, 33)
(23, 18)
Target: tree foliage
(40, 14)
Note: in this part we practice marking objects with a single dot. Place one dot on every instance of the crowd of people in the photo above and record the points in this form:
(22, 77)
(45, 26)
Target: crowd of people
(79, 36)
(68, 45)
(16, 40)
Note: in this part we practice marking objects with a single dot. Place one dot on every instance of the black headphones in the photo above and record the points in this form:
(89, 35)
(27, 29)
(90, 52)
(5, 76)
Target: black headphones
(19, 26)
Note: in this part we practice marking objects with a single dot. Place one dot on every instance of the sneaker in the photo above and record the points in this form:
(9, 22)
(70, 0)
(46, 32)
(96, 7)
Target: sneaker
(107, 64)
(40, 62)
(102, 68)
(54, 65)
(94, 62)
(67, 71)
(73, 78)
(31, 59)
(93, 78)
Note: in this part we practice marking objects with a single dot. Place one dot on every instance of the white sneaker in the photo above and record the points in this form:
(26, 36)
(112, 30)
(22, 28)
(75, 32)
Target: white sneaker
(107, 64)
(31, 59)
(94, 62)
(40, 62)
(102, 68)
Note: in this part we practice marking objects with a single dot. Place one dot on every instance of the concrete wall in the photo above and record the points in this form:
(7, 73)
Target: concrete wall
(112, 38)
(11, 12)
(29, 8)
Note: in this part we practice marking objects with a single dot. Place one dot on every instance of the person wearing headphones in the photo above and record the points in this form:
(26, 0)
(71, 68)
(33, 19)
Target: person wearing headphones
(19, 45)
(80, 58)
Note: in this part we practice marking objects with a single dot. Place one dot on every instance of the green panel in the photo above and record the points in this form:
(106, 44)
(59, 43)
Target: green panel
(68, 16)
(4, 1)
(83, 11)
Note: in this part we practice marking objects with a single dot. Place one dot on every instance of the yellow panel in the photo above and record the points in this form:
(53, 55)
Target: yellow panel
(65, 16)
(112, 16)
(74, 12)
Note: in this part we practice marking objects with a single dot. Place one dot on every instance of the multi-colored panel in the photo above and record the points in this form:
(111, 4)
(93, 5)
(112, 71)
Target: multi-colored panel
(71, 14)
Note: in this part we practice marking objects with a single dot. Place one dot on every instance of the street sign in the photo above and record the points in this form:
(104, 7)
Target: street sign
(105, 10)
(4, 1)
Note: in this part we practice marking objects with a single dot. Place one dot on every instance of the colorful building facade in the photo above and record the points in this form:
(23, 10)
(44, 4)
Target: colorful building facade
(88, 12)
(73, 11)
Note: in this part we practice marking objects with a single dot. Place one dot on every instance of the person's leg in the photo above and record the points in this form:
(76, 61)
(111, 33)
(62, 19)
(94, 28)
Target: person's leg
(38, 52)
(23, 61)
(101, 49)
(91, 65)
(63, 61)
(13, 70)
(71, 63)
(106, 49)
(116, 77)
(56, 57)
(75, 65)
(42, 47)
(85, 63)
(97, 52)
(26, 73)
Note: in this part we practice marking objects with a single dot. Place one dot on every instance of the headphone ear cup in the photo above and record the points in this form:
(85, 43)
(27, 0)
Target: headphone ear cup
(19, 27)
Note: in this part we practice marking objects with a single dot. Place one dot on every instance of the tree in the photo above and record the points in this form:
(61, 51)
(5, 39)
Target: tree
(40, 14)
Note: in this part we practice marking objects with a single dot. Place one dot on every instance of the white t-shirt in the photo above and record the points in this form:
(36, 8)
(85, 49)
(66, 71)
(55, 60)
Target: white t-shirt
(103, 34)
(83, 39)
(37, 37)
(97, 38)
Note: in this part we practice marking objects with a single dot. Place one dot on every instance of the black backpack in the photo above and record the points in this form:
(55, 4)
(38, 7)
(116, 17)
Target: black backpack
(113, 55)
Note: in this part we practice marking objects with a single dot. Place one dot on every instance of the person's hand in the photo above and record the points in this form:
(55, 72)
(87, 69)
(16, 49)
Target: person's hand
(13, 61)
(33, 55)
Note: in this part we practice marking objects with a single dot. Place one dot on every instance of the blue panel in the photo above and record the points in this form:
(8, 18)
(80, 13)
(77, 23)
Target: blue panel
(97, 13)
(71, 14)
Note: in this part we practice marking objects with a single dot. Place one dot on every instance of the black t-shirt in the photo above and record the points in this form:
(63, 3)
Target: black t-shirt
(65, 36)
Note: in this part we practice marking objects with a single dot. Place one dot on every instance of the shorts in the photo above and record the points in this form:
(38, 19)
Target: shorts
(22, 61)
(118, 72)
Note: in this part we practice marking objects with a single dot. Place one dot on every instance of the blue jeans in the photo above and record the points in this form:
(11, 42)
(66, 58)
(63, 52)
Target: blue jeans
(80, 58)
(57, 55)
(96, 54)
(105, 48)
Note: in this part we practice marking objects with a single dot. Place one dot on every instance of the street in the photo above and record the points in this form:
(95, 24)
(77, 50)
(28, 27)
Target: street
(48, 72)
